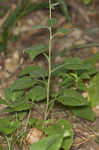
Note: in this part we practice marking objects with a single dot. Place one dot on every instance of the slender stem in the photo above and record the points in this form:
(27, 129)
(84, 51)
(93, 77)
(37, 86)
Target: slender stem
(49, 63)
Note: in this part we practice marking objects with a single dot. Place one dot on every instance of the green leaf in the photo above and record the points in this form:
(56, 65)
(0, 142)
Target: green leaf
(68, 82)
(36, 50)
(51, 22)
(74, 64)
(94, 91)
(70, 97)
(62, 126)
(7, 126)
(20, 105)
(92, 59)
(2, 101)
(67, 142)
(84, 75)
(81, 86)
(91, 70)
(34, 71)
(12, 96)
(22, 83)
(85, 112)
(37, 94)
(53, 142)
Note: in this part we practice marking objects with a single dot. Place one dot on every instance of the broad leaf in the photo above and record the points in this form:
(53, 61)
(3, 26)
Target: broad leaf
(36, 94)
(84, 75)
(91, 70)
(94, 91)
(13, 96)
(19, 105)
(22, 83)
(7, 126)
(36, 50)
(53, 142)
(62, 126)
(34, 71)
(74, 64)
(70, 97)
(85, 112)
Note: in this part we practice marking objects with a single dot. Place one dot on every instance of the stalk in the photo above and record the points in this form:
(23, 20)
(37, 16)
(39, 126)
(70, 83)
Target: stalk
(49, 64)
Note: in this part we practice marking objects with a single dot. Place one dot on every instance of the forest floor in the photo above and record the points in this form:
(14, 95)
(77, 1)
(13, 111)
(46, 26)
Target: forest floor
(15, 60)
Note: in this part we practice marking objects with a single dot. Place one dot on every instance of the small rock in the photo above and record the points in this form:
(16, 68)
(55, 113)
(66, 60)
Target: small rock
(33, 136)
(12, 63)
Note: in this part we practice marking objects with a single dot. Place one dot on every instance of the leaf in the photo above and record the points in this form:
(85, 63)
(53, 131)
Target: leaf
(91, 70)
(2, 101)
(92, 59)
(37, 94)
(94, 91)
(85, 112)
(74, 64)
(53, 142)
(51, 22)
(84, 75)
(34, 71)
(7, 126)
(22, 83)
(62, 126)
(67, 142)
(12, 96)
(20, 105)
(36, 50)
(81, 86)
(70, 97)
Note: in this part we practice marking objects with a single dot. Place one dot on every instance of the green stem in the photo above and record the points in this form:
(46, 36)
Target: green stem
(49, 64)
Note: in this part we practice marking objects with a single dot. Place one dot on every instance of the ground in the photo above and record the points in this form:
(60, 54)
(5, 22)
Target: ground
(86, 132)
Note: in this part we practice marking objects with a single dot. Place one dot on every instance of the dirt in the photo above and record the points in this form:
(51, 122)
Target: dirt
(86, 132)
